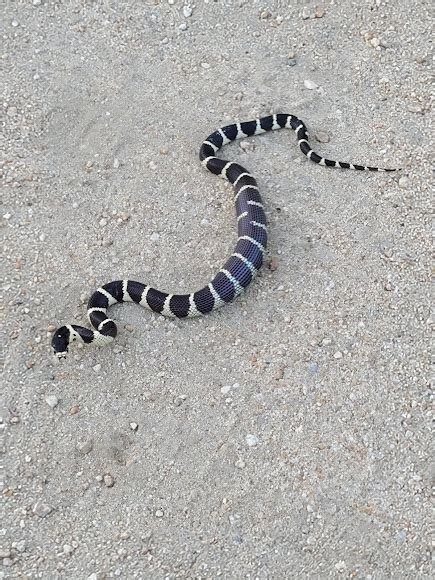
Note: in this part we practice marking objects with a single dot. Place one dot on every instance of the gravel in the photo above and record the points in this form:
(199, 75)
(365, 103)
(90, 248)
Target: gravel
(105, 106)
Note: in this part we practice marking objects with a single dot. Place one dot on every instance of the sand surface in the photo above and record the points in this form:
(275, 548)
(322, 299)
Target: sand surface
(287, 434)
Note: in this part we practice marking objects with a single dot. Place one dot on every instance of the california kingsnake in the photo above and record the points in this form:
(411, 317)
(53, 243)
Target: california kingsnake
(240, 268)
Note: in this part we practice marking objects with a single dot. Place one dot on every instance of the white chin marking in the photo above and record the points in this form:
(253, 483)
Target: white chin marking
(61, 355)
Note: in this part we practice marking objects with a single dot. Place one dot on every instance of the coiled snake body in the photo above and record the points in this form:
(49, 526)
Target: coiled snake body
(239, 269)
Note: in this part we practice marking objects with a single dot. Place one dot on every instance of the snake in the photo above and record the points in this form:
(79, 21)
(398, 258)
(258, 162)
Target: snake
(240, 268)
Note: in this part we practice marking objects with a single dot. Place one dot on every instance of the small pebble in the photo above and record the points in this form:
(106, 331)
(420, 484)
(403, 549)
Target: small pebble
(338, 354)
(159, 513)
(152, 165)
(37, 2)
(322, 137)
(319, 13)
(226, 389)
(52, 401)
(7, 562)
(306, 13)
(84, 447)
(183, 26)
(97, 368)
(178, 401)
(291, 62)
(251, 440)
(313, 367)
(273, 264)
(134, 426)
(108, 480)
(311, 85)
(187, 11)
(154, 237)
(67, 549)
(247, 145)
(265, 14)
(240, 464)
(116, 163)
(42, 509)
(74, 410)
(20, 546)
(404, 182)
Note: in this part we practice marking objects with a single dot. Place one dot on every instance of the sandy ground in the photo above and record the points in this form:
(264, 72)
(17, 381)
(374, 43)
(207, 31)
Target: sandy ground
(286, 435)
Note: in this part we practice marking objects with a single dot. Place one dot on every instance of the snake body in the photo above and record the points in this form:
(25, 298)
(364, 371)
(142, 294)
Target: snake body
(240, 268)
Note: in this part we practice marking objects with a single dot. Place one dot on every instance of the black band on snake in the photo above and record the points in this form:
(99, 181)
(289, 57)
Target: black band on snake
(240, 268)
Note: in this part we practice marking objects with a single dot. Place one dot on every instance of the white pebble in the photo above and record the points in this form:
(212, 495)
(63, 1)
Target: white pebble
(322, 137)
(311, 85)
(404, 182)
(338, 354)
(225, 390)
(134, 426)
(187, 11)
(154, 237)
(247, 145)
(116, 163)
(108, 480)
(159, 513)
(251, 440)
(97, 368)
(52, 401)
(183, 26)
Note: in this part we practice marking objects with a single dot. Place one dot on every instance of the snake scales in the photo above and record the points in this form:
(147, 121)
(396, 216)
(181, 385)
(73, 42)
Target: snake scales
(240, 268)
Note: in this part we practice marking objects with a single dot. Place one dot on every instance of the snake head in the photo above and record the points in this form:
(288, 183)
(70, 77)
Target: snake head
(60, 342)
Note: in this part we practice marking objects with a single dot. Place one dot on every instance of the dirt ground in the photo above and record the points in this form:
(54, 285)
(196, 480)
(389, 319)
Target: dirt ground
(287, 434)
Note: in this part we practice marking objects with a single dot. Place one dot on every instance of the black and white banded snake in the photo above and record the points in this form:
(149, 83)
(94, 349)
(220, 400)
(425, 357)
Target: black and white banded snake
(239, 269)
